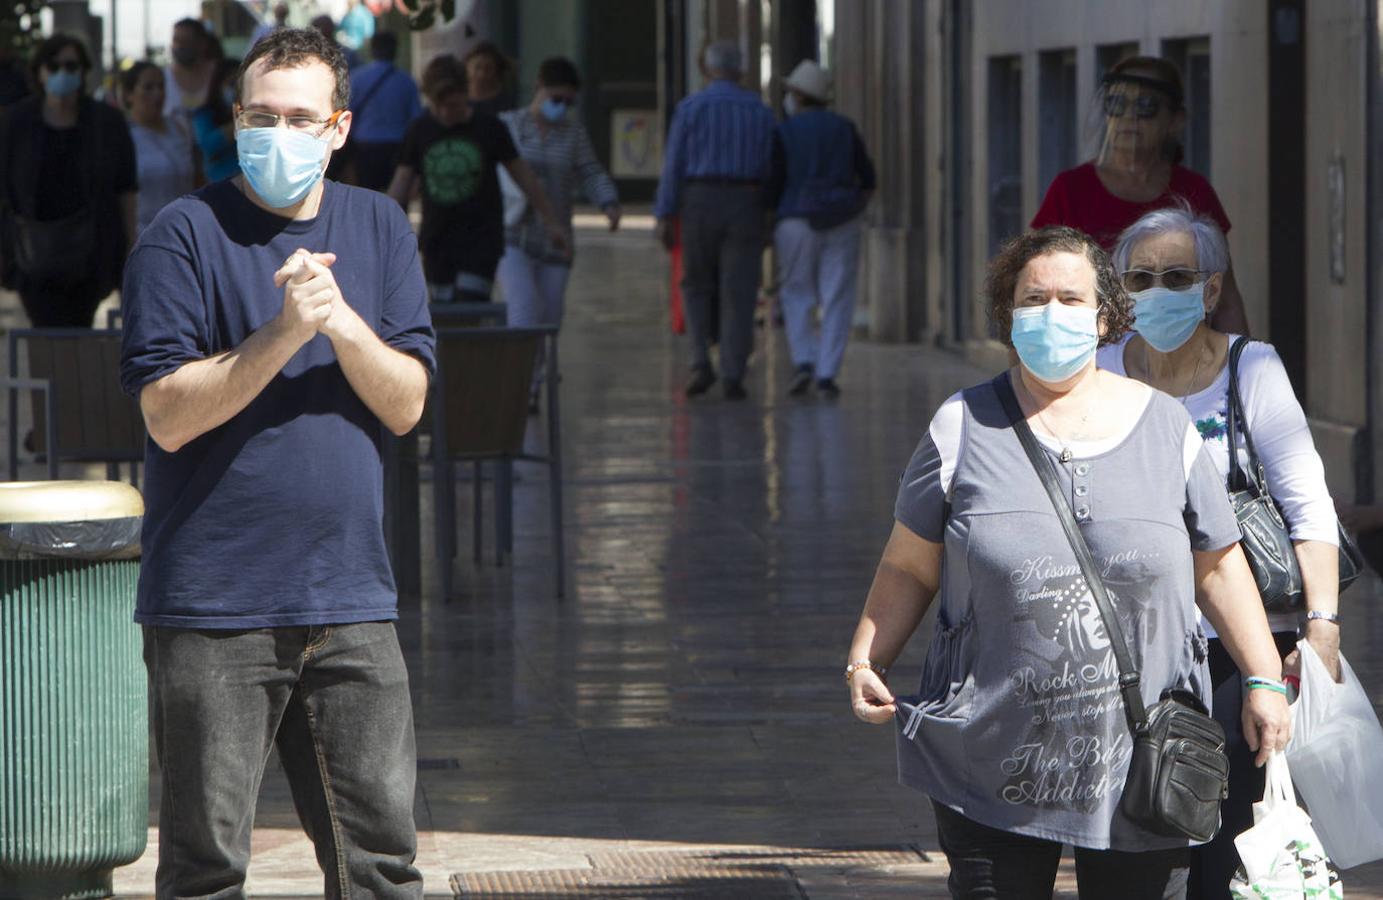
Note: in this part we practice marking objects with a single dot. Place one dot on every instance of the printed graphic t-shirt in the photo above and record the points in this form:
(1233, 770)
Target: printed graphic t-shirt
(274, 518)
(1021, 725)
(463, 210)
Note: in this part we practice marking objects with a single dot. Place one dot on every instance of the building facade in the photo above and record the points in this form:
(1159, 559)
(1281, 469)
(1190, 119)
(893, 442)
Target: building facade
(972, 107)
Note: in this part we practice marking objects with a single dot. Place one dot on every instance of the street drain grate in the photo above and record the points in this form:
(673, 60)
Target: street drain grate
(701, 874)
(685, 882)
(794, 859)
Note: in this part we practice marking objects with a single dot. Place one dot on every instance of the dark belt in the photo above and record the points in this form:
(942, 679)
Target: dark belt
(725, 182)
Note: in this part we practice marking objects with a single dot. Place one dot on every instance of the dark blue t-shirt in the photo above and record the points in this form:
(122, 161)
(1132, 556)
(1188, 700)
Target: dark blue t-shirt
(274, 518)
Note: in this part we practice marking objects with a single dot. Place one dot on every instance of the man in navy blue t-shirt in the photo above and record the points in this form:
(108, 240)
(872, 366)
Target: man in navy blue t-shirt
(275, 325)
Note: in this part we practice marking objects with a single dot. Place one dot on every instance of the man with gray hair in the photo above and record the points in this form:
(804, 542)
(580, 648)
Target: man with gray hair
(717, 158)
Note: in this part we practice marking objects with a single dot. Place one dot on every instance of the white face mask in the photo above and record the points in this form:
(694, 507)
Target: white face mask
(791, 105)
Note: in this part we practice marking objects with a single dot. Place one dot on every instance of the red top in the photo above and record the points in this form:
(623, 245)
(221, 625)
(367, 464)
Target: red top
(1078, 198)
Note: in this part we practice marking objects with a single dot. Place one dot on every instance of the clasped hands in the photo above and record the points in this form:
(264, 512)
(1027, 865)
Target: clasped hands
(312, 301)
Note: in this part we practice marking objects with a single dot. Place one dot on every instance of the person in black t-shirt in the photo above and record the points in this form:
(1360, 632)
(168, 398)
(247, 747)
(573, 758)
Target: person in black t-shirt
(451, 153)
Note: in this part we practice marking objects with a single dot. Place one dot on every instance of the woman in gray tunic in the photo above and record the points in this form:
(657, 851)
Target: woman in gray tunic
(1023, 744)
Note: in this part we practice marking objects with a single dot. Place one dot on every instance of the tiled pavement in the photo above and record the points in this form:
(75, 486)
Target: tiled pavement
(677, 727)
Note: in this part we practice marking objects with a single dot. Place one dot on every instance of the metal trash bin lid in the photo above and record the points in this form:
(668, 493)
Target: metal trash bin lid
(69, 519)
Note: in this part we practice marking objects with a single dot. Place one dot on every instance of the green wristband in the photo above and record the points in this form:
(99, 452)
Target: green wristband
(1276, 688)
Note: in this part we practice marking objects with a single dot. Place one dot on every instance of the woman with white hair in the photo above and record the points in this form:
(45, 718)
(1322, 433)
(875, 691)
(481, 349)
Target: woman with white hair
(1173, 264)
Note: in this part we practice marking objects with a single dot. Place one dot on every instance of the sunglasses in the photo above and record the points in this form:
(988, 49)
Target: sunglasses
(1145, 106)
(1172, 279)
(54, 66)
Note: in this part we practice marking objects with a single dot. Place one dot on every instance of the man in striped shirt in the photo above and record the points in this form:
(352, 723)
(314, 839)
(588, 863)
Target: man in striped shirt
(718, 154)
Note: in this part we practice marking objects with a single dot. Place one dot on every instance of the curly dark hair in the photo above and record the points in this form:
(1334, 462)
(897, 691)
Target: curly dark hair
(288, 48)
(443, 75)
(1115, 308)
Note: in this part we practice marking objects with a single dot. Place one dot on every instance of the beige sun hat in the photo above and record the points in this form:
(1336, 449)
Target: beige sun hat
(810, 79)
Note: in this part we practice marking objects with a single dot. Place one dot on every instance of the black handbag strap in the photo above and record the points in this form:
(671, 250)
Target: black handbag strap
(374, 89)
(1129, 677)
(1238, 423)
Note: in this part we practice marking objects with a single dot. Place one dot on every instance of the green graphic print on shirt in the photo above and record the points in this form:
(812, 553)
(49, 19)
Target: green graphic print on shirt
(451, 170)
(1214, 427)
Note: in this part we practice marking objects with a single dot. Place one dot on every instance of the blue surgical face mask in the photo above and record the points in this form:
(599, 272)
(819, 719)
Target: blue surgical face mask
(1055, 341)
(62, 83)
(1165, 318)
(281, 165)
(553, 111)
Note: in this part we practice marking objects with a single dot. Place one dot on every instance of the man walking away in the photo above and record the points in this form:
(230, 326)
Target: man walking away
(384, 102)
(822, 180)
(717, 159)
(276, 325)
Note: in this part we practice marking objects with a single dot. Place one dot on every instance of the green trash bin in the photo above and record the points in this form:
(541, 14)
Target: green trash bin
(74, 739)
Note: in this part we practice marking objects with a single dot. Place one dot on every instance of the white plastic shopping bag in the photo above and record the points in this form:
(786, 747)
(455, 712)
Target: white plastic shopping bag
(1281, 855)
(1336, 755)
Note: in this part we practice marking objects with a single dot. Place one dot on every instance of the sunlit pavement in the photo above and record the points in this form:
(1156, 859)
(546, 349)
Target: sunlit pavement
(678, 725)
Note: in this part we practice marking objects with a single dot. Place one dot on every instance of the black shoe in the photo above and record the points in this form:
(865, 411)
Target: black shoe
(734, 389)
(701, 382)
(828, 388)
(801, 380)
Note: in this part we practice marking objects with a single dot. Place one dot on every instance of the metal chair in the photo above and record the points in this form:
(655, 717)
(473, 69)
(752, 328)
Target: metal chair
(401, 475)
(85, 416)
(479, 402)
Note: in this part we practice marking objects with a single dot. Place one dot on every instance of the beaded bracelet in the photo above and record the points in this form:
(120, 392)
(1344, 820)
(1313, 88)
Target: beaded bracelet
(854, 667)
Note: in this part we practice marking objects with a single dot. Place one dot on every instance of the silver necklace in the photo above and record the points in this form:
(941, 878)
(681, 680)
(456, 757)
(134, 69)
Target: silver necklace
(1065, 455)
(1200, 357)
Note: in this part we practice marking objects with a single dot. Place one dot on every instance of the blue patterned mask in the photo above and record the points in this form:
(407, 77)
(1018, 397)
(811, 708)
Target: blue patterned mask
(1165, 318)
(1055, 341)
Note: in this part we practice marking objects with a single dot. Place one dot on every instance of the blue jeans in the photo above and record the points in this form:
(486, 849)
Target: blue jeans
(334, 700)
(992, 864)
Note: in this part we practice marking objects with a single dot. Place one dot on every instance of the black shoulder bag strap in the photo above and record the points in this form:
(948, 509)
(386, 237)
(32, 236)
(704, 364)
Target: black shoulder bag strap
(374, 89)
(1237, 422)
(1129, 678)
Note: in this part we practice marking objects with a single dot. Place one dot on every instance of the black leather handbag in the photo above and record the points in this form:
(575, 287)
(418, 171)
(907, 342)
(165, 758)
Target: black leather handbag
(1178, 773)
(1267, 540)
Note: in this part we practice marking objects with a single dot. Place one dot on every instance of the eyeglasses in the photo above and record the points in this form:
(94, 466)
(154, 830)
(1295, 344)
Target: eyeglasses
(1178, 279)
(1145, 106)
(70, 65)
(256, 118)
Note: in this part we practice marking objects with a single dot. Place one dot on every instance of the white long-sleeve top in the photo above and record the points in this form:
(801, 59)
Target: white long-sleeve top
(1296, 476)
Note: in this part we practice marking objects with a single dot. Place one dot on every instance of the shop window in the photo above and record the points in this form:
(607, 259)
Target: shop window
(1005, 120)
(1192, 56)
(1058, 134)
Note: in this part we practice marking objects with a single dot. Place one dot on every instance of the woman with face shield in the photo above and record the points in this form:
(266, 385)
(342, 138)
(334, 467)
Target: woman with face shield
(1021, 740)
(1173, 263)
(1138, 168)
